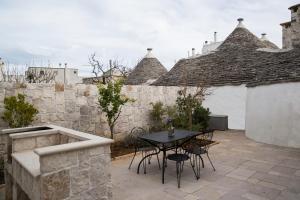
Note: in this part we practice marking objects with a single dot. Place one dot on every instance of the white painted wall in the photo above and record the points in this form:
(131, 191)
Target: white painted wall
(273, 114)
(231, 101)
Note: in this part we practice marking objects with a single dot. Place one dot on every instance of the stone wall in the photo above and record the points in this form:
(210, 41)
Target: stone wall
(75, 106)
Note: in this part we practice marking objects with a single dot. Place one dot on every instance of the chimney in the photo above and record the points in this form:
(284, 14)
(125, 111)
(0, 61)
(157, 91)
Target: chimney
(240, 24)
(215, 36)
(59, 64)
(291, 29)
(66, 65)
(149, 53)
(193, 52)
(263, 36)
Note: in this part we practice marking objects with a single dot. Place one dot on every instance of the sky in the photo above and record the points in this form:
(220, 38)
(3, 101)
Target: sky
(48, 32)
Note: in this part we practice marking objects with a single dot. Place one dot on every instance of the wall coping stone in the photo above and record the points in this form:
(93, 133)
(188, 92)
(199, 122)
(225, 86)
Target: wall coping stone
(28, 160)
(33, 134)
(45, 151)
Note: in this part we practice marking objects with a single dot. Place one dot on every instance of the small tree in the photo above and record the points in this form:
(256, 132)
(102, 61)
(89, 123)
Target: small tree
(18, 113)
(156, 114)
(188, 100)
(105, 73)
(111, 101)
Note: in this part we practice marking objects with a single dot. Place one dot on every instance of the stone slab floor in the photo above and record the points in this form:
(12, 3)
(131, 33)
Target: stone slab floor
(245, 170)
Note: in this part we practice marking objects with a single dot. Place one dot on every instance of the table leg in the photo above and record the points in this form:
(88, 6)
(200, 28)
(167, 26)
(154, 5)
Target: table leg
(164, 166)
(138, 169)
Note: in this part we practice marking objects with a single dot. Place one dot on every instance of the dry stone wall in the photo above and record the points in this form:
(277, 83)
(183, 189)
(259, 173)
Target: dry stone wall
(76, 106)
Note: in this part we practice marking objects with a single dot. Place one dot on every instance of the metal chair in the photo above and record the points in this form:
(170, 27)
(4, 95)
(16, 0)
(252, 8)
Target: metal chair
(197, 147)
(140, 146)
(179, 158)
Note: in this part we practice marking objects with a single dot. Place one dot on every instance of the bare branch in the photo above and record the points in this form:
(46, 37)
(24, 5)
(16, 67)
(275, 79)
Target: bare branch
(40, 75)
(107, 72)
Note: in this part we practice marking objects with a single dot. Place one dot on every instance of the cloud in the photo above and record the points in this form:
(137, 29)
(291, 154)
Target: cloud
(69, 31)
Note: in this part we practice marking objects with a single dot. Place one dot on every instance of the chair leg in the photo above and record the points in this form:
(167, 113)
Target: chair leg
(198, 165)
(132, 159)
(144, 153)
(210, 162)
(157, 159)
(194, 163)
(149, 160)
(202, 161)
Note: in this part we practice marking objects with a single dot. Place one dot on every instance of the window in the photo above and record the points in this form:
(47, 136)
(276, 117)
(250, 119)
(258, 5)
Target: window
(42, 72)
(75, 72)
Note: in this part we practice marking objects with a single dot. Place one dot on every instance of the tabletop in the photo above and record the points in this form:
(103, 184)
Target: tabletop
(162, 136)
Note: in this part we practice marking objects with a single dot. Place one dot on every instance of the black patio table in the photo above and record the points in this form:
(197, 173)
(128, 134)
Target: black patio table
(163, 142)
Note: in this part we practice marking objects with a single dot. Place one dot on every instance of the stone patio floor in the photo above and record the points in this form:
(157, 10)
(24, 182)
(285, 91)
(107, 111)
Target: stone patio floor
(245, 169)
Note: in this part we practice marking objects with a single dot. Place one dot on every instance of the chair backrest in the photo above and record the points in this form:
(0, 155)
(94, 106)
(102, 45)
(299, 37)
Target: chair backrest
(132, 137)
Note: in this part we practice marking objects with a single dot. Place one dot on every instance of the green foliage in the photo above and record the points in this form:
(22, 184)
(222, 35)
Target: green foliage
(200, 118)
(111, 101)
(18, 113)
(186, 104)
(191, 114)
(188, 113)
(156, 114)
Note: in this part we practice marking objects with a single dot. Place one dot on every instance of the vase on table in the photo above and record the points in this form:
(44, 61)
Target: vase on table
(171, 131)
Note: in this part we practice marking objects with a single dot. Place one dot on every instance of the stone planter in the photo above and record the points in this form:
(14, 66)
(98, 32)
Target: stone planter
(58, 163)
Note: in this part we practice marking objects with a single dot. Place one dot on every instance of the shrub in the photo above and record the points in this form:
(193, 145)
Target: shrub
(200, 118)
(18, 113)
(156, 115)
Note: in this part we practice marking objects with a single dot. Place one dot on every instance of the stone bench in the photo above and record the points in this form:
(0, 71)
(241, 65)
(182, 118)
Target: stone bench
(59, 163)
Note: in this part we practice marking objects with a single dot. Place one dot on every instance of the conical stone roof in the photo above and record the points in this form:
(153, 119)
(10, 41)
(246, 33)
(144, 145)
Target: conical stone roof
(236, 61)
(148, 69)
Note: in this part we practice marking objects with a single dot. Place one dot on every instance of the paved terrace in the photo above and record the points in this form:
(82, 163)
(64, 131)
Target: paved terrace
(245, 170)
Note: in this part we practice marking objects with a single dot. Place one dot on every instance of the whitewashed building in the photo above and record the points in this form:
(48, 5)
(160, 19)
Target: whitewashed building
(63, 75)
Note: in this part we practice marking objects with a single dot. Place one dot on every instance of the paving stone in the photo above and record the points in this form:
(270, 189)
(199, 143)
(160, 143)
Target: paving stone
(286, 195)
(285, 171)
(237, 174)
(241, 174)
(271, 185)
(190, 197)
(253, 197)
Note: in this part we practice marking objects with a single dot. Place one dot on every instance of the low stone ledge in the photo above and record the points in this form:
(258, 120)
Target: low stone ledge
(71, 146)
(34, 134)
(28, 160)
